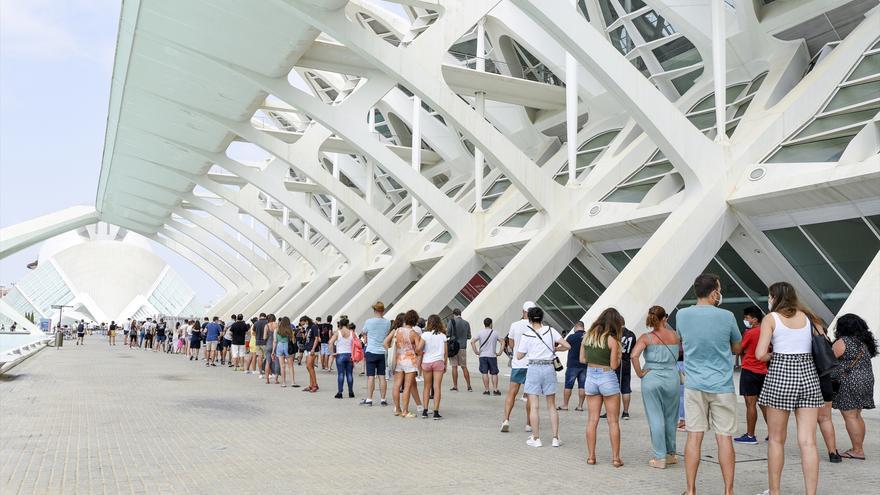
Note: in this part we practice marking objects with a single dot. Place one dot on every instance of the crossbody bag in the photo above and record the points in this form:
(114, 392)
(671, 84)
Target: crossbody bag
(557, 364)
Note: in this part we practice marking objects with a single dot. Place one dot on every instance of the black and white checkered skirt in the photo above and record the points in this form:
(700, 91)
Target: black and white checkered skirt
(791, 383)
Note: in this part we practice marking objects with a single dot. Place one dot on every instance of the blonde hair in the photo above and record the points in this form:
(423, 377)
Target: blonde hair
(606, 326)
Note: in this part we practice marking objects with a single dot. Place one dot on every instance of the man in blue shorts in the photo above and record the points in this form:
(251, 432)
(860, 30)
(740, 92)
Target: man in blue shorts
(376, 329)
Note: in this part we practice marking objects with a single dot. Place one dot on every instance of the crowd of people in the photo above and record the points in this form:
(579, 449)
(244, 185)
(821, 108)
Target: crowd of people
(789, 365)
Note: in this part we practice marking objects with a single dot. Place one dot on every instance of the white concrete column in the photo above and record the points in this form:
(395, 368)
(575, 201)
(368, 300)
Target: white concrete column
(571, 115)
(719, 69)
(285, 220)
(480, 107)
(416, 154)
(333, 207)
(368, 194)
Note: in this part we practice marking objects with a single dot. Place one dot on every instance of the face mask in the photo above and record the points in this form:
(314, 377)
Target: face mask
(747, 324)
(769, 304)
(720, 298)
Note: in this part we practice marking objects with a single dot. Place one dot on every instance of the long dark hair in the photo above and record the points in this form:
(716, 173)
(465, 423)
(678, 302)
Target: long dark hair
(850, 325)
(785, 299)
(435, 325)
(284, 329)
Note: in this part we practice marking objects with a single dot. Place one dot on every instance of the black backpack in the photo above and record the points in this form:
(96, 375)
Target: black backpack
(452, 346)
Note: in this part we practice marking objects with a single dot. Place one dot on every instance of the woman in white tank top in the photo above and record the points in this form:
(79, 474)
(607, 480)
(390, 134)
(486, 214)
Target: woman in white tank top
(344, 366)
(792, 384)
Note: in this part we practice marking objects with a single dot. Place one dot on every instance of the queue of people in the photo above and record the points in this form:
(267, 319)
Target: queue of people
(686, 371)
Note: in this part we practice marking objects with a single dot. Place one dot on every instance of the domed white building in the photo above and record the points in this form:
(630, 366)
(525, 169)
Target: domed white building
(104, 273)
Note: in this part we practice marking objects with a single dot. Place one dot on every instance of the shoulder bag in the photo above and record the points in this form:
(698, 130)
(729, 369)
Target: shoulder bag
(823, 355)
(488, 338)
(557, 364)
(357, 350)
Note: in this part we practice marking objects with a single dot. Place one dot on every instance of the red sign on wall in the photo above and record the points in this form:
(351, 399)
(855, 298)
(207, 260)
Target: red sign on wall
(475, 285)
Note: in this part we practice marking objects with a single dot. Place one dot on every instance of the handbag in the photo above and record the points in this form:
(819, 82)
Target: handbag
(357, 350)
(674, 357)
(557, 363)
(823, 355)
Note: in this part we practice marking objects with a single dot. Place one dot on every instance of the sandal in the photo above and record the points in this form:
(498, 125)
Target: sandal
(591, 461)
(654, 463)
(617, 462)
(671, 459)
(580, 409)
(849, 455)
(558, 408)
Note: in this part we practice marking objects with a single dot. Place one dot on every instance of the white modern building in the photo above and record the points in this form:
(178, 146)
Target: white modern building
(313, 156)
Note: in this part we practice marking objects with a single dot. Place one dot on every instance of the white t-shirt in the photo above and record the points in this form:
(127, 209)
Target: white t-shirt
(516, 331)
(435, 346)
(532, 346)
(487, 340)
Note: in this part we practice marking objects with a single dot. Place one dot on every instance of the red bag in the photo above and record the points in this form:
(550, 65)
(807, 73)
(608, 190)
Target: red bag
(357, 350)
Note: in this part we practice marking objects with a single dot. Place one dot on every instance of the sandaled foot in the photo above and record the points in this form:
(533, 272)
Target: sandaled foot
(617, 463)
(560, 408)
(671, 459)
(579, 409)
(655, 463)
(849, 454)
(591, 461)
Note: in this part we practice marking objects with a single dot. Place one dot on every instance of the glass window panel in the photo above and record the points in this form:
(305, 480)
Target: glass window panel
(561, 177)
(851, 95)
(703, 120)
(621, 40)
(585, 158)
(828, 150)
(498, 187)
(733, 92)
(849, 244)
(756, 84)
(869, 66)
(454, 190)
(742, 109)
(875, 221)
(653, 26)
(444, 237)
(618, 260)
(553, 315)
(601, 140)
(732, 260)
(704, 104)
(676, 54)
(810, 265)
(585, 274)
(639, 64)
(651, 171)
(830, 122)
(519, 219)
(582, 8)
(608, 12)
(684, 82)
(631, 5)
(630, 194)
(577, 288)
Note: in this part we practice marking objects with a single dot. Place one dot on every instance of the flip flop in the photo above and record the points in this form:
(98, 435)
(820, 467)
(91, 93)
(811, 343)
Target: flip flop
(561, 409)
(581, 409)
(849, 455)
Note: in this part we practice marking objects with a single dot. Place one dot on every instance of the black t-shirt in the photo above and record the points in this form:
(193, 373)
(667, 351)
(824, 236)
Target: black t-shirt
(239, 330)
(627, 341)
(311, 334)
(160, 330)
(326, 331)
(259, 328)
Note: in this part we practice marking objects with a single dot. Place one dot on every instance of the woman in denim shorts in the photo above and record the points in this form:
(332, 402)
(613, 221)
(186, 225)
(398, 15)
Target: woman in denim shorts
(539, 344)
(600, 351)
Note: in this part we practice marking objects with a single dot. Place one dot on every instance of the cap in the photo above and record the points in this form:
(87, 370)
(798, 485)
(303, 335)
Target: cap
(529, 305)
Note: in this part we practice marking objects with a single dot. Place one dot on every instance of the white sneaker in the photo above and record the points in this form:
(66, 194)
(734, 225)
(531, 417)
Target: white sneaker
(528, 428)
(419, 379)
(556, 442)
(261, 376)
(523, 399)
(534, 442)
(505, 426)
(420, 409)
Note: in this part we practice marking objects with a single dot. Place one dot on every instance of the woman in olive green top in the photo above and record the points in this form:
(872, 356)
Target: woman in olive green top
(601, 353)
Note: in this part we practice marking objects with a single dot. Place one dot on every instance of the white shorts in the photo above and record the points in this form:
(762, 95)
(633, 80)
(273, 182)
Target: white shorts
(238, 351)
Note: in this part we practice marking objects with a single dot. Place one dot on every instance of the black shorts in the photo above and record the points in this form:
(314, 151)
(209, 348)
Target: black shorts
(624, 374)
(375, 364)
(750, 383)
(489, 365)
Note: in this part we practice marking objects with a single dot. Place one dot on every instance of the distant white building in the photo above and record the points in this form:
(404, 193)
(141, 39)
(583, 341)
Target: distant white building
(104, 273)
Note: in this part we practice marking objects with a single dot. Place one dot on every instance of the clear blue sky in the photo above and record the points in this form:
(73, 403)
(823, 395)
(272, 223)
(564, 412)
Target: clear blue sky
(56, 58)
